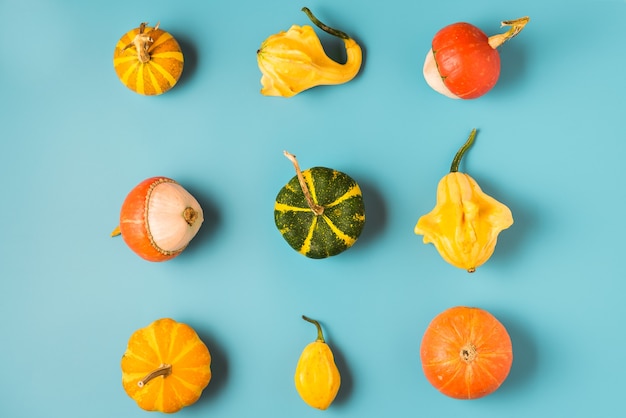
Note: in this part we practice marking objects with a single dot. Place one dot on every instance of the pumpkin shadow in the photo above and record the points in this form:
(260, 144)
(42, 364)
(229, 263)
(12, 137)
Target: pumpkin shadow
(347, 382)
(512, 67)
(375, 213)
(525, 357)
(219, 368)
(190, 55)
(212, 221)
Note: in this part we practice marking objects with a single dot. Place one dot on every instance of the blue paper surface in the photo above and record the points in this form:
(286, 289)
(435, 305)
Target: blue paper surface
(75, 141)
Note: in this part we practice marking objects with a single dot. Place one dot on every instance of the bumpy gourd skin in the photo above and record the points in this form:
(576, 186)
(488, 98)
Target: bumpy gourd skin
(465, 223)
(294, 61)
(317, 377)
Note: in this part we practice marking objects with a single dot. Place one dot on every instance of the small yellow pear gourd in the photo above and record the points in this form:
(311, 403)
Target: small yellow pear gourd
(317, 377)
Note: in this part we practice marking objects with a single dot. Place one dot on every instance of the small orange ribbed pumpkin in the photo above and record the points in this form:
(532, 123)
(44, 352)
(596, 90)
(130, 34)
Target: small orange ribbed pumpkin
(166, 366)
(148, 60)
(466, 353)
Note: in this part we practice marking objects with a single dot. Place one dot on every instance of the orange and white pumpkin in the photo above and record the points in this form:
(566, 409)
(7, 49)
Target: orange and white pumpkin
(148, 60)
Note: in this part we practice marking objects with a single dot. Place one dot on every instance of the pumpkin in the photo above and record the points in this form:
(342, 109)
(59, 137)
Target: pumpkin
(466, 353)
(148, 60)
(166, 366)
(319, 212)
(158, 219)
(317, 377)
(463, 62)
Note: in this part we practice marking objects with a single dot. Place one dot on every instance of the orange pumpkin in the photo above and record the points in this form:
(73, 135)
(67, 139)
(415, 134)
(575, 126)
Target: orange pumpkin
(166, 366)
(148, 60)
(466, 353)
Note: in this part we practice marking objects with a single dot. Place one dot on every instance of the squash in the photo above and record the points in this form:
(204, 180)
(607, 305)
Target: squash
(317, 377)
(148, 60)
(466, 353)
(166, 366)
(158, 219)
(295, 60)
(465, 222)
(320, 212)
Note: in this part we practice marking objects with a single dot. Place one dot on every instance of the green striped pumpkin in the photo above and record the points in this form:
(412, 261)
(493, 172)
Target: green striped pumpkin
(333, 231)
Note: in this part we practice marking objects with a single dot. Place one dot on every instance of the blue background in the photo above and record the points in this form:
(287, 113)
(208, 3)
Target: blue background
(75, 141)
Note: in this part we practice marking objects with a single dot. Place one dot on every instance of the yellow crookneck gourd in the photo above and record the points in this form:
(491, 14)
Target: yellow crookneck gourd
(465, 223)
(294, 61)
(317, 377)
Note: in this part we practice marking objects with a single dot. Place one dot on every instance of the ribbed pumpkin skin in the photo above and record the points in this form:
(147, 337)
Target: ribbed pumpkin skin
(156, 76)
(134, 227)
(331, 233)
(466, 353)
(166, 341)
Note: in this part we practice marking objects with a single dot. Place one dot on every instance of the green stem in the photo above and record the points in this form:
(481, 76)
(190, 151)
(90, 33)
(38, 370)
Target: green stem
(323, 27)
(457, 158)
(320, 336)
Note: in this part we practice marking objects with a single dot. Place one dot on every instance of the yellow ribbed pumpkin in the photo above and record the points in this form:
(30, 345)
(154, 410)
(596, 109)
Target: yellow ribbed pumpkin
(148, 60)
(166, 366)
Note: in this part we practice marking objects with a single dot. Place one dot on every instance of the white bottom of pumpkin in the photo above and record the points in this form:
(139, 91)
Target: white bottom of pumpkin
(433, 78)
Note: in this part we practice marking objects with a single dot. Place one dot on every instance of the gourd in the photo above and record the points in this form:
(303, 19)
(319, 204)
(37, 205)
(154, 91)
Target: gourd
(466, 353)
(317, 377)
(294, 61)
(319, 212)
(149, 61)
(465, 222)
(463, 62)
(166, 366)
(158, 219)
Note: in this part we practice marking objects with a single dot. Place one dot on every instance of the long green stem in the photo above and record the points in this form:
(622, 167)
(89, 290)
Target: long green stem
(323, 27)
(320, 336)
(457, 158)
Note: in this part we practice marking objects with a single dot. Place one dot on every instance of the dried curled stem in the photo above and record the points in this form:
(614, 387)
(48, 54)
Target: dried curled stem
(142, 42)
(516, 27)
(317, 209)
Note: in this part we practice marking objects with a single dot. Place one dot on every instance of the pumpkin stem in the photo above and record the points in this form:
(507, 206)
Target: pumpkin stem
(468, 353)
(142, 43)
(190, 215)
(116, 231)
(320, 336)
(457, 158)
(323, 27)
(163, 370)
(516, 27)
(317, 209)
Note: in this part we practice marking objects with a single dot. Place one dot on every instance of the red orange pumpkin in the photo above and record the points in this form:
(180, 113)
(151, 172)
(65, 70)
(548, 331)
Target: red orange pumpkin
(466, 353)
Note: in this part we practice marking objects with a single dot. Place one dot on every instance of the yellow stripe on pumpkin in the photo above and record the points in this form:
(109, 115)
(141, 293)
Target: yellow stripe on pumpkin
(166, 74)
(282, 207)
(309, 182)
(340, 234)
(352, 192)
(306, 245)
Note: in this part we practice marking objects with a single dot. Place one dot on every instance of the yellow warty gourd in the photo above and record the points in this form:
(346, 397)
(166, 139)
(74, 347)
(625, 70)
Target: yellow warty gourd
(294, 61)
(465, 223)
(317, 378)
